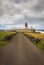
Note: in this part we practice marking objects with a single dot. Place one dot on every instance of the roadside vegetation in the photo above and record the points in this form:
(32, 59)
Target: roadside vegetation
(5, 37)
(36, 38)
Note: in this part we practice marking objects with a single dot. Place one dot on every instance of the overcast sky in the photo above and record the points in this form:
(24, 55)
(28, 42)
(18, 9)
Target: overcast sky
(14, 13)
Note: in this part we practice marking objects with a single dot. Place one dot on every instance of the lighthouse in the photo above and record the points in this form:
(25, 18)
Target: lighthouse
(26, 26)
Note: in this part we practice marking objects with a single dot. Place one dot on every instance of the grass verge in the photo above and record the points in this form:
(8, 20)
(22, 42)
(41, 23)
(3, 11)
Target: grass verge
(4, 42)
(39, 44)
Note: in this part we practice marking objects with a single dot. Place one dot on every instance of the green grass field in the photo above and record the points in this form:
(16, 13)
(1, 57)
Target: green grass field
(37, 35)
(2, 35)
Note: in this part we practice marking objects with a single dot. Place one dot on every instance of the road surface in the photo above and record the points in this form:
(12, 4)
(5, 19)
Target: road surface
(20, 51)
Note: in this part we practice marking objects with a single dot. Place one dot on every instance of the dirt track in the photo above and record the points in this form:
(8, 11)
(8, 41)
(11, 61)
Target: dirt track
(20, 51)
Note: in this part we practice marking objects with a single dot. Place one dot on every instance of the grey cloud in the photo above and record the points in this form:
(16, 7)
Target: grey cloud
(7, 9)
(11, 8)
(19, 1)
(1, 12)
(39, 6)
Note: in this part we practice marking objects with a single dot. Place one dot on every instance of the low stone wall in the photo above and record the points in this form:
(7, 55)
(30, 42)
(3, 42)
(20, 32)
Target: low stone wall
(36, 40)
(7, 37)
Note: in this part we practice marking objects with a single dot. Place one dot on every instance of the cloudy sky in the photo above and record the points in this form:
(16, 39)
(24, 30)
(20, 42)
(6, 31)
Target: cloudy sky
(14, 13)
